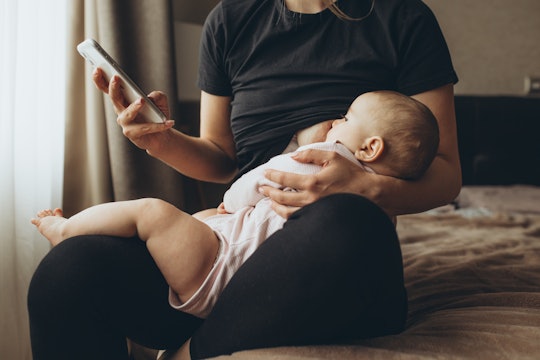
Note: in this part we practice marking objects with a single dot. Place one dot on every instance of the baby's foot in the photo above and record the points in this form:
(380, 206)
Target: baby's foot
(50, 224)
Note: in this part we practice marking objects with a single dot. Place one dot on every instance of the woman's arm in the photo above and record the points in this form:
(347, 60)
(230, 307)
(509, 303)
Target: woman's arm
(438, 186)
(210, 157)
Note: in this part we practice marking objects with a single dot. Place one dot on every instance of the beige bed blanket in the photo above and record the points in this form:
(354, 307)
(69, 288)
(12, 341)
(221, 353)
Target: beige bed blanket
(473, 278)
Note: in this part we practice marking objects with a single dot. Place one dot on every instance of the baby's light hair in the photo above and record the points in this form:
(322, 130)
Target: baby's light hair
(410, 134)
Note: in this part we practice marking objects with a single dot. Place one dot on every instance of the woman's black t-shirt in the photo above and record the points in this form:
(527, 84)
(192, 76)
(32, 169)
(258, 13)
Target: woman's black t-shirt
(286, 71)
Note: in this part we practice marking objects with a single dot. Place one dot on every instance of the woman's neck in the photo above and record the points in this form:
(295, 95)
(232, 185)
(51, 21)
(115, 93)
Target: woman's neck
(307, 6)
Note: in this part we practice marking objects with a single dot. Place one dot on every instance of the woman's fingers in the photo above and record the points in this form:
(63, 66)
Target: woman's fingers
(112, 87)
(116, 95)
(99, 80)
(284, 211)
(133, 129)
(160, 99)
(284, 203)
(137, 130)
(287, 198)
(143, 134)
(120, 104)
(128, 114)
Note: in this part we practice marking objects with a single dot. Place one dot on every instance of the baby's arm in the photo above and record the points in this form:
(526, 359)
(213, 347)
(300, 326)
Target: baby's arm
(245, 191)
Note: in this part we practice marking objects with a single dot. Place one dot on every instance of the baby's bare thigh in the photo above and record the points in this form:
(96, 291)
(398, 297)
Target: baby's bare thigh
(203, 214)
(184, 249)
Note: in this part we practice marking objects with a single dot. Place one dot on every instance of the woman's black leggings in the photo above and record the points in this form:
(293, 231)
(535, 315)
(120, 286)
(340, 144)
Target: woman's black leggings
(333, 273)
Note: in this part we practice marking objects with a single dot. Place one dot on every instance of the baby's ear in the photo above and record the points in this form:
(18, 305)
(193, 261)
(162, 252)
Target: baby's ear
(370, 150)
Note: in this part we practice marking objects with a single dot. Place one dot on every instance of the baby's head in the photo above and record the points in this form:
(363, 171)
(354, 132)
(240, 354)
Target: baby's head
(392, 133)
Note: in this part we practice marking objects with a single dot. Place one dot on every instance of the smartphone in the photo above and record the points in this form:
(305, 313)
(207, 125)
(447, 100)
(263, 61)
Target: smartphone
(94, 53)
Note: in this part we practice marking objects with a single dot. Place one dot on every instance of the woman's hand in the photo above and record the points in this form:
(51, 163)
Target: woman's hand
(145, 135)
(338, 175)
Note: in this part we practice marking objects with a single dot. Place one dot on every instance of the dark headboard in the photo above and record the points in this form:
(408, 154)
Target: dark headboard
(499, 139)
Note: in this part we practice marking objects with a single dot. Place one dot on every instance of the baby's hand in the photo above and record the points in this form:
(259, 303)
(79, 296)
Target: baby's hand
(221, 209)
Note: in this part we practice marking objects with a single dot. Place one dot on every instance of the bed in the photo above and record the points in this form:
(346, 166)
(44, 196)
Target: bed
(472, 268)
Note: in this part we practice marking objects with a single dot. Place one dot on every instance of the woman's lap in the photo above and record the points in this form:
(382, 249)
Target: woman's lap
(334, 271)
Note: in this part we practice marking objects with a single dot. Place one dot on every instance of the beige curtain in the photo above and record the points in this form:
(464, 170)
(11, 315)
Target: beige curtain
(32, 93)
(100, 163)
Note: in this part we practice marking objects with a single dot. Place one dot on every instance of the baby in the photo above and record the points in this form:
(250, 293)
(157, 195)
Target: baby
(383, 132)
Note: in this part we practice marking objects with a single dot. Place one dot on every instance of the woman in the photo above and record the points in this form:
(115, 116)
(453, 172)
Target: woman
(269, 68)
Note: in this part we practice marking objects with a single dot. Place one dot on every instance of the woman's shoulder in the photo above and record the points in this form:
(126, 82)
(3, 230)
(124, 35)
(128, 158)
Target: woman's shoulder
(402, 8)
(237, 9)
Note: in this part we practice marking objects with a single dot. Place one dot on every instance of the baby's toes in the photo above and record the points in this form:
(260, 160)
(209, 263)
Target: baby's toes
(58, 212)
(44, 213)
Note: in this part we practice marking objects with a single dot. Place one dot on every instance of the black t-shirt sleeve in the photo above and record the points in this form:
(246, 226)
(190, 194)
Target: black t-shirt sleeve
(424, 58)
(212, 77)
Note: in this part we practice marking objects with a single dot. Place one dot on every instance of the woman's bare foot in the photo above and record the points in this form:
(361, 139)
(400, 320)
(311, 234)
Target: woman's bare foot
(50, 224)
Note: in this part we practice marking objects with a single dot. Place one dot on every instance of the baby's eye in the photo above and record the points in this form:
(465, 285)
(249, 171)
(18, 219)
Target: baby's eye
(344, 117)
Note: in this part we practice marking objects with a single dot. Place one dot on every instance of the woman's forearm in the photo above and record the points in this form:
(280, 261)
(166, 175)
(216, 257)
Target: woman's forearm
(209, 157)
(439, 186)
(195, 157)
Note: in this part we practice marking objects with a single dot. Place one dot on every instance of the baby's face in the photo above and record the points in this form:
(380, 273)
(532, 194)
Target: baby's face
(357, 125)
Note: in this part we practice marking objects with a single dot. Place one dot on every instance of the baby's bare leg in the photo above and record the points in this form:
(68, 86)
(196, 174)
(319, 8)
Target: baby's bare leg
(116, 219)
(203, 214)
(183, 247)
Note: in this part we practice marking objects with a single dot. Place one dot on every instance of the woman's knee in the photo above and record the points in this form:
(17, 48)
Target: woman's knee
(79, 269)
(358, 243)
(342, 207)
(354, 237)
(349, 219)
(63, 274)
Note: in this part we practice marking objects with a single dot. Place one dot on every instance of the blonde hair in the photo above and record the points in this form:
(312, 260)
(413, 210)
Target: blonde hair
(410, 134)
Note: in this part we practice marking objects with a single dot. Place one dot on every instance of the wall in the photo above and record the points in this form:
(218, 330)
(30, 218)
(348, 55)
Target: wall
(495, 44)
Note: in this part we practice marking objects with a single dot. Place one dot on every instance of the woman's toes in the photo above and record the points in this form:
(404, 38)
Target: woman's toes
(58, 212)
